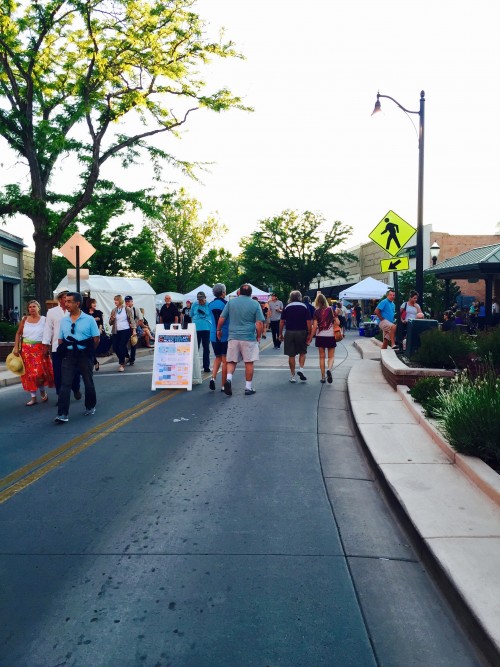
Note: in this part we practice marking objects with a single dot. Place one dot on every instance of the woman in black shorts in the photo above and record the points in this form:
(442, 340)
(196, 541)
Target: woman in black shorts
(324, 319)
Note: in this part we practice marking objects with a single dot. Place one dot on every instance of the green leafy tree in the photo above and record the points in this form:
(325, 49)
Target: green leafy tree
(434, 292)
(72, 74)
(289, 250)
(182, 242)
(219, 266)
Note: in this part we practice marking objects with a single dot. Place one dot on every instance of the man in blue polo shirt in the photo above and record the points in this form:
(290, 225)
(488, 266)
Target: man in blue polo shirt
(385, 312)
(78, 338)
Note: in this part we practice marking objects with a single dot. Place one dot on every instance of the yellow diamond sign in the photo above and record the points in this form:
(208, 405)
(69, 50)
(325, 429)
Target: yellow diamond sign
(396, 264)
(392, 232)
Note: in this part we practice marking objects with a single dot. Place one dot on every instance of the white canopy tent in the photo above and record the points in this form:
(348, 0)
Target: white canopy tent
(191, 296)
(104, 288)
(260, 294)
(369, 288)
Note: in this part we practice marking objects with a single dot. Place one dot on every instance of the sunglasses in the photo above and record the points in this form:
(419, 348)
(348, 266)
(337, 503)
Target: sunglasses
(73, 328)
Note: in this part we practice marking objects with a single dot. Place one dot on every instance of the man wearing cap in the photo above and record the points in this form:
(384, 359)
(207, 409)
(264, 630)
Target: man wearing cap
(169, 313)
(200, 314)
(245, 330)
(78, 336)
(51, 340)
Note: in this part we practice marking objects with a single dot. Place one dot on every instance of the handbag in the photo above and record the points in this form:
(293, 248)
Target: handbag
(337, 332)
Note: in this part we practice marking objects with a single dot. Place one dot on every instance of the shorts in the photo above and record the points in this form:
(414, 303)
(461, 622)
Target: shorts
(295, 343)
(326, 341)
(219, 348)
(242, 350)
(386, 326)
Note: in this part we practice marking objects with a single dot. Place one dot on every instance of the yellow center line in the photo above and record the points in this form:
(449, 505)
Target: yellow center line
(33, 471)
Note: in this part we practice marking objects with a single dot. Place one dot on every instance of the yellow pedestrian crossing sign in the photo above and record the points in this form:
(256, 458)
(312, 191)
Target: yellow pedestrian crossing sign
(392, 232)
(395, 264)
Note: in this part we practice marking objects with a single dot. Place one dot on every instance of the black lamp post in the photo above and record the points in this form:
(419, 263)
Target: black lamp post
(419, 278)
(435, 252)
(318, 278)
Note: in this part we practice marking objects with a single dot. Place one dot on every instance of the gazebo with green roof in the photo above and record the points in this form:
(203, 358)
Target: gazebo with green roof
(476, 264)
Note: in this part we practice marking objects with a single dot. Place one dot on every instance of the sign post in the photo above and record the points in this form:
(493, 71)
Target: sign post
(391, 234)
(77, 251)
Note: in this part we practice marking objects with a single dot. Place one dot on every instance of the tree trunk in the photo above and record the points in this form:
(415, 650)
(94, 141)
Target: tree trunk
(43, 270)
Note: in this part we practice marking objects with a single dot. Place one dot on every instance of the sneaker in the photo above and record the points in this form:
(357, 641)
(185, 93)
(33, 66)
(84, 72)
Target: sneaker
(89, 412)
(77, 394)
(293, 378)
(130, 362)
(329, 378)
(211, 384)
(228, 390)
(323, 380)
(250, 392)
(394, 347)
(301, 376)
(61, 419)
(207, 370)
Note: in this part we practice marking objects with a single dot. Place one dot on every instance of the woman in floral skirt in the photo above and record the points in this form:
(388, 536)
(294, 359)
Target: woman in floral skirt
(38, 373)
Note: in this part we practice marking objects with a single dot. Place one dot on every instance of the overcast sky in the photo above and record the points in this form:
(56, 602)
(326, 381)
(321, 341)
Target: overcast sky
(312, 71)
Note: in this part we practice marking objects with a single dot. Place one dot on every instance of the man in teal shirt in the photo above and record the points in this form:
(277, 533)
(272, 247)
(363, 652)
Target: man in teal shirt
(245, 330)
(385, 312)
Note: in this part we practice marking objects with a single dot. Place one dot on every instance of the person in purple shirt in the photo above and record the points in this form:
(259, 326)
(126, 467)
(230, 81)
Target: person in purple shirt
(296, 321)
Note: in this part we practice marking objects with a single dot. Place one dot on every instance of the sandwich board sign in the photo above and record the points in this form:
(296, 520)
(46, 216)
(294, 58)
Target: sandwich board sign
(391, 233)
(173, 358)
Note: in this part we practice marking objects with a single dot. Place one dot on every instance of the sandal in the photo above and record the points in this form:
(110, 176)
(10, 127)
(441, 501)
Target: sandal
(96, 366)
(32, 402)
(44, 396)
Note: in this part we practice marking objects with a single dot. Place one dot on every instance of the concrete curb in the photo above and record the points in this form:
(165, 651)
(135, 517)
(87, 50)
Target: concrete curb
(448, 501)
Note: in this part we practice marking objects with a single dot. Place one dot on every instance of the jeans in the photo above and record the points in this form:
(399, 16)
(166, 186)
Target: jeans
(204, 337)
(120, 340)
(275, 330)
(56, 365)
(73, 362)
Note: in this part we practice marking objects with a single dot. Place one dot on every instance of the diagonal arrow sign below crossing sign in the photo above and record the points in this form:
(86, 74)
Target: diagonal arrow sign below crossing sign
(396, 264)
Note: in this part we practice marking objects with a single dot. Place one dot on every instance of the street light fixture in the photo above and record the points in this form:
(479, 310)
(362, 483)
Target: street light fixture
(419, 277)
(435, 252)
(318, 278)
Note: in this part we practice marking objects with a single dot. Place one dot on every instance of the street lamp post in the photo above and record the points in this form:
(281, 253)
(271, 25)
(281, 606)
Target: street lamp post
(419, 279)
(318, 278)
(435, 248)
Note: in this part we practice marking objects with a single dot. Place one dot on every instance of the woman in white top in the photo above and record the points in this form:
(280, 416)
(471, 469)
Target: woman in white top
(37, 362)
(411, 310)
(123, 326)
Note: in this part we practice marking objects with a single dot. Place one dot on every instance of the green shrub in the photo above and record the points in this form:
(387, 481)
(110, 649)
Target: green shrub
(488, 345)
(469, 414)
(426, 391)
(440, 349)
(7, 332)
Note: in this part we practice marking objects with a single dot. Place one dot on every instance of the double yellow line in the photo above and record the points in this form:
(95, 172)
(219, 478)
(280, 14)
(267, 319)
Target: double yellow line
(35, 470)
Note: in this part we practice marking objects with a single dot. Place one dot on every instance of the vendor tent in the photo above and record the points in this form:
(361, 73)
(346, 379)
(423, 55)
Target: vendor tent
(104, 288)
(260, 294)
(369, 288)
(191, 296)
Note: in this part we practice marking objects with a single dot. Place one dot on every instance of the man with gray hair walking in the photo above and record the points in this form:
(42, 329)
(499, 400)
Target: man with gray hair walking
(296, 320)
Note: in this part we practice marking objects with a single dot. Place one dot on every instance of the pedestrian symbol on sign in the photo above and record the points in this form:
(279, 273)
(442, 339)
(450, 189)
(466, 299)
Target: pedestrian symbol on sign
(392, 232)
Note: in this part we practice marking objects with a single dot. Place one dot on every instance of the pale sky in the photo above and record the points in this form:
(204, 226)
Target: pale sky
(312, 71)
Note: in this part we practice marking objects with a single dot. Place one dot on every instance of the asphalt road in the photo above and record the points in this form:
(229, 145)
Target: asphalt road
(195, 529)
